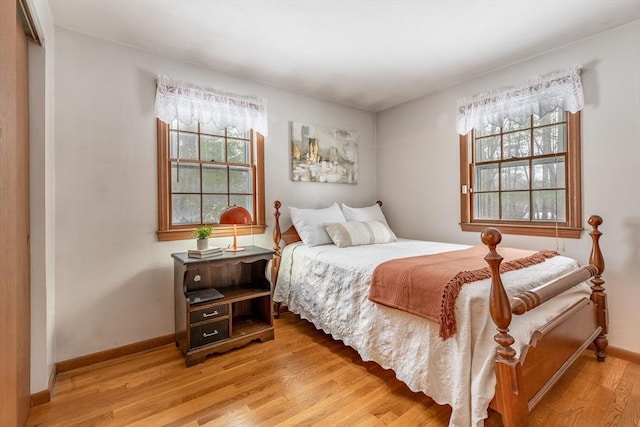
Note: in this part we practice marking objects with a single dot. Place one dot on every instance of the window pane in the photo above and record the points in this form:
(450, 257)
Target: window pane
(555, 116)
(486, 206)
(515, 205)
(185, 209)
(488, 129)
(193, 127)
(183, 145)
(235, 133)
(488, 148)
(185, 178)
(515, 175)
(517, 144)
(510, 125)
(486, 178)
(550, 139)
(239, 180)
(237, 151)
(214, 179)
(549, 205)
(213, 207)
(549, 173)
(212, 149)
(244, 201)
(211, 129)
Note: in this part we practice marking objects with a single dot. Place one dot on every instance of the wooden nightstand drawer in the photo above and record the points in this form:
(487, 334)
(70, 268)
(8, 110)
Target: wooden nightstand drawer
(208, 333)
(209, 313)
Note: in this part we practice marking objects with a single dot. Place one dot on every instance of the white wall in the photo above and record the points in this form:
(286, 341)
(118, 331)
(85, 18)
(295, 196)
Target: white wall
(113, 278)
(418, 164)
(41, 197)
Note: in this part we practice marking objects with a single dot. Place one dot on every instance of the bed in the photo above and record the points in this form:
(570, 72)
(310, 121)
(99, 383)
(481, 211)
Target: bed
(545, 314)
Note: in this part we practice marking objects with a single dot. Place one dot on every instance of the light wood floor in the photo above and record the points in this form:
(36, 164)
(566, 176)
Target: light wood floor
(304, 377)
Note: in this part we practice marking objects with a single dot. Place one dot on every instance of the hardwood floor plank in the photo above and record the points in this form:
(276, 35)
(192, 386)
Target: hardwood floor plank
(304, 378)
(320, 410)
(631, 413)
(617, 403)
(611, 377)
(272, 415)
(369, 421)
(632, 374)
(385, 404)
(355, 408)
(424, 415)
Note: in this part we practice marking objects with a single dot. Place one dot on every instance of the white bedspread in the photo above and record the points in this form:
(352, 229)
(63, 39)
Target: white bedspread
(329, 286)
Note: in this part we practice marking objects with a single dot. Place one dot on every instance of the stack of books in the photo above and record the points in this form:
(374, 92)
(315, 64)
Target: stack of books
(204, 253)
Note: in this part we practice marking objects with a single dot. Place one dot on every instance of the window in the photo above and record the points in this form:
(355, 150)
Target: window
(203, 169)
(523, 178)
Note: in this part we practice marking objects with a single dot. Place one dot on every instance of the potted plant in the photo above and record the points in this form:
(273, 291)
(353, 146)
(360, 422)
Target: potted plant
(202, 234)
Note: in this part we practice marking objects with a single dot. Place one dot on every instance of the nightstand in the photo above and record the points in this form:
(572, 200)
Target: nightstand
(221, 302)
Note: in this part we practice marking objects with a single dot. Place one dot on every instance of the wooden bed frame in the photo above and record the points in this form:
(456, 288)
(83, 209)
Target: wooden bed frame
(523, 381)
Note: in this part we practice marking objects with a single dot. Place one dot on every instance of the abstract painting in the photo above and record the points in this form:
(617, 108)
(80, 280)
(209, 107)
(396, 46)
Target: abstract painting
(321, 154)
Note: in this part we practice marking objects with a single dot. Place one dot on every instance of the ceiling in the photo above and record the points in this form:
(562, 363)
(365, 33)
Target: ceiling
(369, 54)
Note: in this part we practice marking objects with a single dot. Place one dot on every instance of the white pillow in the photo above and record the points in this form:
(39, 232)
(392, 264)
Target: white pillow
(370, 213)
(308, 223)
(355, 233)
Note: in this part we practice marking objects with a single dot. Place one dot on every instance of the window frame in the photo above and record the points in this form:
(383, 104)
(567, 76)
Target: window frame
(166, 231)
(571, 228)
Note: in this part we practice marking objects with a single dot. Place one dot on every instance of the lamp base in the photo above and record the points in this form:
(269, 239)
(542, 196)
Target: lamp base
(235, 249)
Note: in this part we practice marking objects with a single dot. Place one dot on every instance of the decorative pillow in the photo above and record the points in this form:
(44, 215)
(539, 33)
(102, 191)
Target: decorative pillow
(355, 233)
(370, 213)
(308, 223)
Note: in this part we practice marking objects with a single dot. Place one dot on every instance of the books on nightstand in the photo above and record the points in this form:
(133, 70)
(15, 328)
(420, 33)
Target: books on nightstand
(204, 253)
(203, 295)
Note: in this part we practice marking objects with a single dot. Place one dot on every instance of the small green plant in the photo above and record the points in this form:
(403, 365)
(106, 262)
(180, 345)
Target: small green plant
(202, 232)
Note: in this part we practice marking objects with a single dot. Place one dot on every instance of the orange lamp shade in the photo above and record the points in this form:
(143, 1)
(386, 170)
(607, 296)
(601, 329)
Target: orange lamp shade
(235, 215)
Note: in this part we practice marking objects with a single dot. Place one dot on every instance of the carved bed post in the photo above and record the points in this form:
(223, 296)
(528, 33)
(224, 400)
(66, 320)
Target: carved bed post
(511, 398)
(275, 263)
(598, 296)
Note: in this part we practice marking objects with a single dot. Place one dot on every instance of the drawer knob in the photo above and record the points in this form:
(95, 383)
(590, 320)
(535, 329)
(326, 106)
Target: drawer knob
(206, 335)
(215, 312)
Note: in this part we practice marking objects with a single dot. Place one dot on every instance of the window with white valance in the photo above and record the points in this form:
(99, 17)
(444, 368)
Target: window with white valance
(520, 167)
(210, 156)
(188, 103)
(538, 96)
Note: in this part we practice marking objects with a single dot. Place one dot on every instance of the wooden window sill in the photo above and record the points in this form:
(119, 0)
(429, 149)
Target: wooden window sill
(526, 229)
(218, 231)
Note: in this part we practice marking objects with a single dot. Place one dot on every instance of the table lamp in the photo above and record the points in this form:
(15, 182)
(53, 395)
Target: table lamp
(235, 215)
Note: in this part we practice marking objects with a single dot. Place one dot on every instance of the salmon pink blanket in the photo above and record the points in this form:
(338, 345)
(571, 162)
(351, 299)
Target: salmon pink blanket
(428, 285)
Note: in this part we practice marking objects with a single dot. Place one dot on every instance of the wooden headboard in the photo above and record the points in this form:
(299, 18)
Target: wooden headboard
(290, 235)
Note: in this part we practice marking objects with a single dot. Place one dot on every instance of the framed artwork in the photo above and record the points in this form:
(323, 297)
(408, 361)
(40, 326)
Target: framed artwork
(320, 154)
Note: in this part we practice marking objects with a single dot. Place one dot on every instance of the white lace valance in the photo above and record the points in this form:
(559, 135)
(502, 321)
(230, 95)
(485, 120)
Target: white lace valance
(539, 95)
(188, 103)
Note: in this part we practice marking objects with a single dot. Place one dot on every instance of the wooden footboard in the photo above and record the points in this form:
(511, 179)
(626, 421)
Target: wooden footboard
(521, 382)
